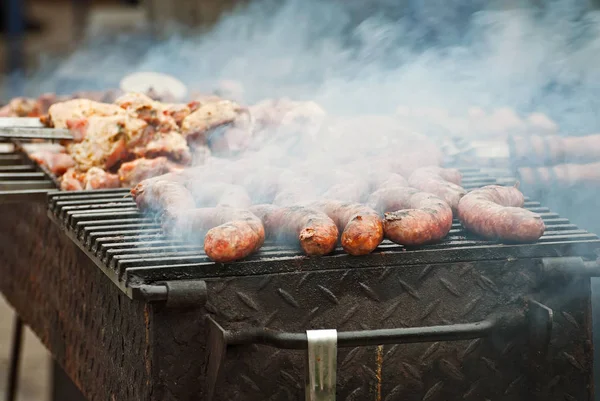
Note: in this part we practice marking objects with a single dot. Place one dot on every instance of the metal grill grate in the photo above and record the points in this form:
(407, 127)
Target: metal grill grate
(21, 179)
(132, 249)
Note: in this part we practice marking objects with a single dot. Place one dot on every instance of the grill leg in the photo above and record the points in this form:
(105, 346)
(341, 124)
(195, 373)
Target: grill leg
(63, 388)
(15, 360)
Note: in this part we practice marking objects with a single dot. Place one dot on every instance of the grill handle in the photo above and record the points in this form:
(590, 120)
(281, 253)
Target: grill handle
(537, 320)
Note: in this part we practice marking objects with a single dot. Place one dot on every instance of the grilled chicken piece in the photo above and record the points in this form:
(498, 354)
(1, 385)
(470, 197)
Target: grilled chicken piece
(177, 111)
(106, 140)
(57, 163)
(72, 180)
(213, 114)
(170, 144)
(77, 109)
(21, 107)
(96, 178)
(133, 172)
(151, 111)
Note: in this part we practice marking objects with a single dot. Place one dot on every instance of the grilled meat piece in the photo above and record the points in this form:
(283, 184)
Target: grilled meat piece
(134, 172)
(170, 144)
(495, 212)
(55, 162)
(412, 217)
(166, 197)
(106, 139)
(21, 107)
(96, 178)
(144, 108)
(72, 180)
(208, 116)
(316, 233)
(361, 226)
(232, 233)
(444, 183)
(77, 109)
(177, 111)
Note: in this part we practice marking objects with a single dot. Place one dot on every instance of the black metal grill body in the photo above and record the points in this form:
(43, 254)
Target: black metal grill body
(115, 347)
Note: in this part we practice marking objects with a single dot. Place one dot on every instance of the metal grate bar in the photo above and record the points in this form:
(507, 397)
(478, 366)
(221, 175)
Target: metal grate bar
(129, 245)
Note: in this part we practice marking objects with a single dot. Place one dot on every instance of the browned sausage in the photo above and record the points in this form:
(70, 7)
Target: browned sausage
(496, 212)
(316, 232)
(231, 233)
(444, 183)
(167, 197)
(412, 217)
(361, 226)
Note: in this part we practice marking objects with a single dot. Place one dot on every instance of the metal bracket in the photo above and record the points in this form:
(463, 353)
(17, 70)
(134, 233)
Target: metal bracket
(175, 294)
(321, 365)
(538, 320)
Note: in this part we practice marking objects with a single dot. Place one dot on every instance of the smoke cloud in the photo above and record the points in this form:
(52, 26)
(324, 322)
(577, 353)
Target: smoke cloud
(433, 61)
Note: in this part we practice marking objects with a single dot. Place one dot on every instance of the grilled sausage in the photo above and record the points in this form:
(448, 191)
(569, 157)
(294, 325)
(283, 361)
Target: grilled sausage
(231, 233)
(167, 197)
(361, 226)
(315, 231)
(444, 183)
(496, 213)
(412, 217)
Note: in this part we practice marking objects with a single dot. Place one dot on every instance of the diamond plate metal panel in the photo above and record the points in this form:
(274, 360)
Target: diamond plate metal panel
(406, 296)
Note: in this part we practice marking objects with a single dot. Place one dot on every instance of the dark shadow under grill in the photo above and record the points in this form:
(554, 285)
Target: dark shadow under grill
(131, 247)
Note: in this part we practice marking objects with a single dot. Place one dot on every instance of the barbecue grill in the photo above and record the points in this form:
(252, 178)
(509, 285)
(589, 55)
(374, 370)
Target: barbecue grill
(132, 314)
